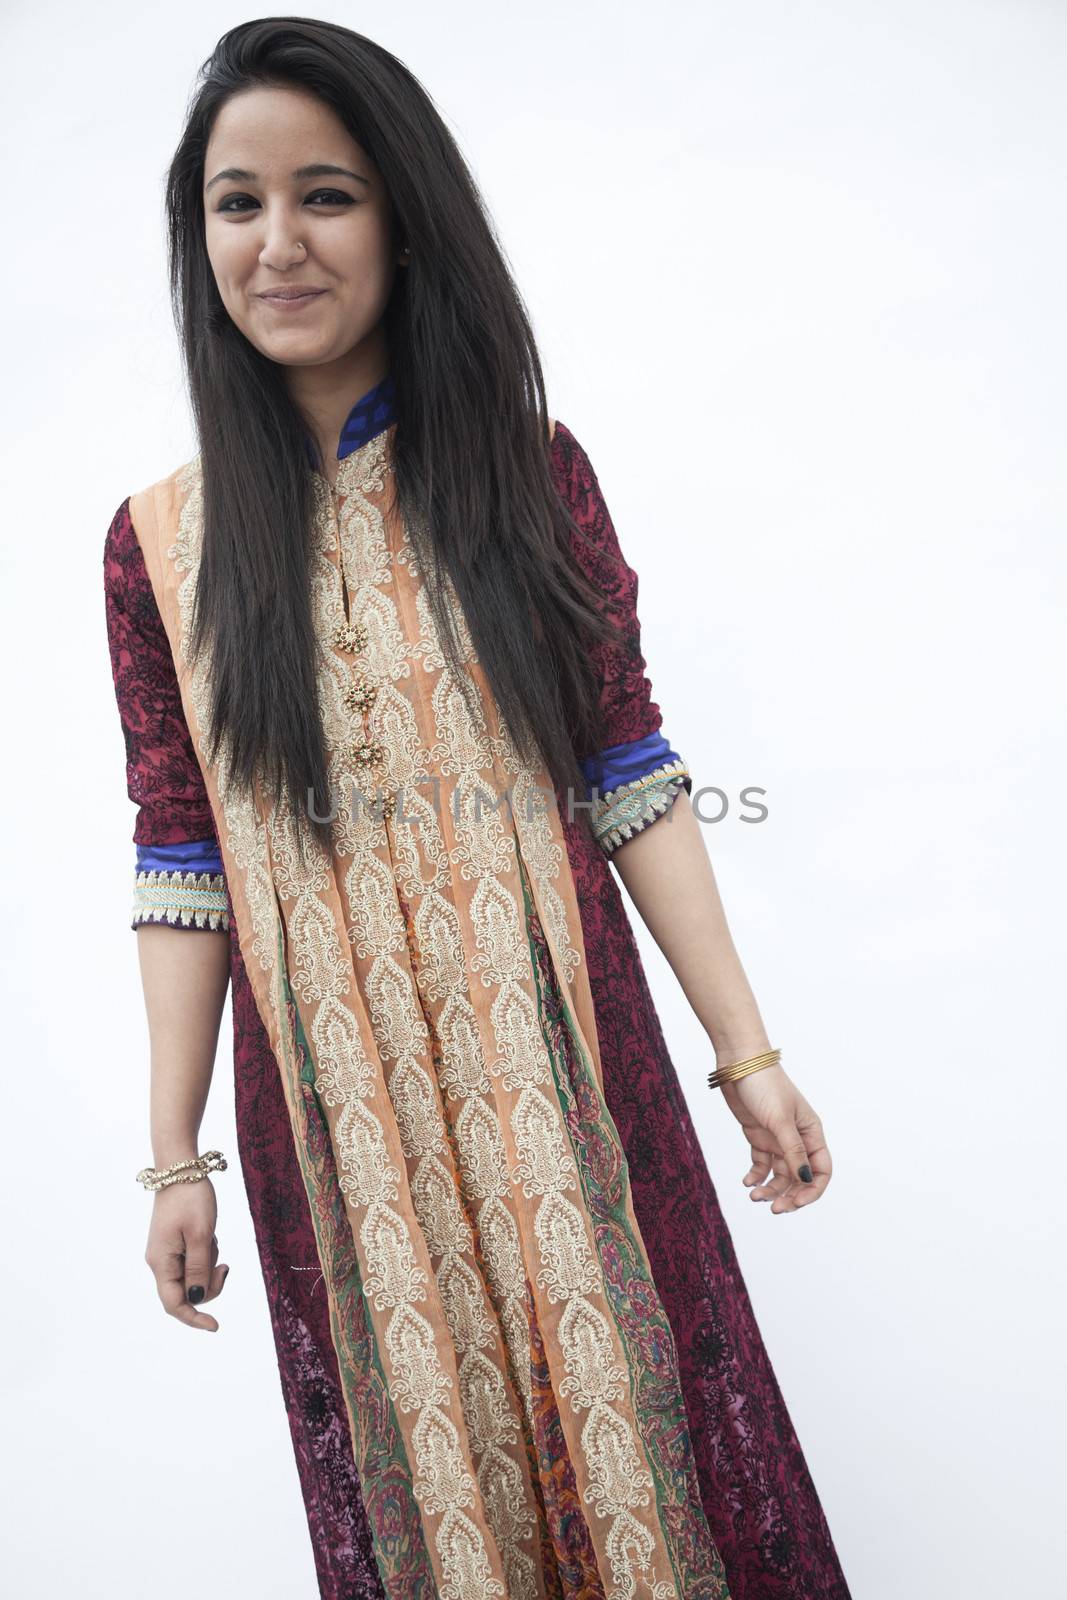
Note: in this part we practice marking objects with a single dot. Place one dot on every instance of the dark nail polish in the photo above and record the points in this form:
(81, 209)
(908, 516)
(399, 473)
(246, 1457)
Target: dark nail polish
(196, 1294)
(226, 1274)
(805, 1173)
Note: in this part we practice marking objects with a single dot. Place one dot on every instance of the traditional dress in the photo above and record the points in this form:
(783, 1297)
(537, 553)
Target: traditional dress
(516, 1350)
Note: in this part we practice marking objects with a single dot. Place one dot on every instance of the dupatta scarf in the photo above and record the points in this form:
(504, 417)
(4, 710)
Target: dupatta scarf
(395, 978)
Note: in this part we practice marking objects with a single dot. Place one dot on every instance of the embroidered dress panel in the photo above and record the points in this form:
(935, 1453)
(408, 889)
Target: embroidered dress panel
(635, 781)
(396, 979)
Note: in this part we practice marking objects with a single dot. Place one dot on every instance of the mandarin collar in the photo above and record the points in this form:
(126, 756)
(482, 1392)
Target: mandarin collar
(370, 415)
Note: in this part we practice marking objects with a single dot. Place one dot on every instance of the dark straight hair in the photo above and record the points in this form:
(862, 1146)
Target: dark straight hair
(471, 461)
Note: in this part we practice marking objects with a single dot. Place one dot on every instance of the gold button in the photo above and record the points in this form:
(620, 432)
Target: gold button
(350, 636)
(368, 755)
(359, 696)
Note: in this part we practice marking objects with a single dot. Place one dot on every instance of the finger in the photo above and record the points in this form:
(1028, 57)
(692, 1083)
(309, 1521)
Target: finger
(780, 1190)
(770, 1188)
(169, 1272)
(821, 1172)
(218, 1279)
(810, 1172)
(786, 1198)
(201, 1253)
(778, 1181)
(774, 1190)
(794, 1152)
(761, 1166)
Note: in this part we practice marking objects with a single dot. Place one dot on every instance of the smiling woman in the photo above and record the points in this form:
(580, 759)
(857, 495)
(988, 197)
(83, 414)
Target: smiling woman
(304, 273)
(515, 1345)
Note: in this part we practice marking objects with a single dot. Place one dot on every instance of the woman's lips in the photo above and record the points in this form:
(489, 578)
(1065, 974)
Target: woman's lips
(291, 302)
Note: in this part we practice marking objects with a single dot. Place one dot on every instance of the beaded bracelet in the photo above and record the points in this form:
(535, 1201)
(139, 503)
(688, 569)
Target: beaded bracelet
(190, 1171)
(741, 1069)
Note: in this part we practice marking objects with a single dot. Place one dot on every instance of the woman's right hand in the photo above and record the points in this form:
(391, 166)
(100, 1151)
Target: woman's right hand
(183, 1251)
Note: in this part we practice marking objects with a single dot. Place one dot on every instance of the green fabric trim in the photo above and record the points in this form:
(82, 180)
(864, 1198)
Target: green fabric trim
(644, 1329)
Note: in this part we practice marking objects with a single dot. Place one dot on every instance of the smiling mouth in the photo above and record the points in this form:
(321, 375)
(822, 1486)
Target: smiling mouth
(291, 299)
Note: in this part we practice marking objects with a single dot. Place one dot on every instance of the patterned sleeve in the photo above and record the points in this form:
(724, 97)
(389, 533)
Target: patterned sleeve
(636, 777)
(178, 872)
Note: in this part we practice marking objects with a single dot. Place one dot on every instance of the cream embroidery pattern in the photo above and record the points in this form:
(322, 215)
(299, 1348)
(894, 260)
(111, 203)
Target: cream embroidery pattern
(394, 1281)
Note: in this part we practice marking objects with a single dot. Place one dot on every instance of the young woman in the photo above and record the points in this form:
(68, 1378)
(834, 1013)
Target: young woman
(387, 722)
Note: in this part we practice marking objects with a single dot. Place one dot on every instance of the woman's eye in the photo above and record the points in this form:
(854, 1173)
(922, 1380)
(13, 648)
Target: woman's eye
(332, 197)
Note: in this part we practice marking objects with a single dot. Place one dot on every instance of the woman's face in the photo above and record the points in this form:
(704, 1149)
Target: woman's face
(260, 208)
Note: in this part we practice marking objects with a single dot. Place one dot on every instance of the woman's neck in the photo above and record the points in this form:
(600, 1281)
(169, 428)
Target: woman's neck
(327, 393)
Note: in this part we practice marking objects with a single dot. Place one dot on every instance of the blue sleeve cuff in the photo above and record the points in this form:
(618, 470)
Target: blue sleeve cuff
(633, 784)
(180, 884)
(192, 855)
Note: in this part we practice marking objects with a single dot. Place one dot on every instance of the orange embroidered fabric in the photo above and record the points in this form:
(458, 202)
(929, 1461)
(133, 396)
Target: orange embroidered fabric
(401, 991)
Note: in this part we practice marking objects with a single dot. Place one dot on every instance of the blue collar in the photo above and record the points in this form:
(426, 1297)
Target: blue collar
(370, 415)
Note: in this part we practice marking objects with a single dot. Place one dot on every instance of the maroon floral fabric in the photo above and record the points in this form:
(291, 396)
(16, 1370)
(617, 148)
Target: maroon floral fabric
(758, 1495)
(625, 690)
(163, 778)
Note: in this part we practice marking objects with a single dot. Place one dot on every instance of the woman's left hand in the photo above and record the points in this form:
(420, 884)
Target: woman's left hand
(786, 1138)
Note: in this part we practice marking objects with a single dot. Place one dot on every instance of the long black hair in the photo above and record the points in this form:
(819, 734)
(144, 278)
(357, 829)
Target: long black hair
(470, 452)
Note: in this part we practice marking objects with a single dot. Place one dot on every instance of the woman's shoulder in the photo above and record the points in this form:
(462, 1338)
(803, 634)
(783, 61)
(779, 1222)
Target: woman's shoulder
(562, 442)
(154, 511)
(154, 497)
(571, 467)
(180, 471)
(563, 448)
(139, 514)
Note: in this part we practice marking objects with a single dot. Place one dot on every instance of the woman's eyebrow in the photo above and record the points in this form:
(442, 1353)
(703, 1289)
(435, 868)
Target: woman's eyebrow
(318, 169)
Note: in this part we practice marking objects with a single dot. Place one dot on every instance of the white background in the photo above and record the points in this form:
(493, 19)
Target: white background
(797, 271)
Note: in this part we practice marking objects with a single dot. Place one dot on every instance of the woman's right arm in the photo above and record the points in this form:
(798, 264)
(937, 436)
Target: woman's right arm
(181, 917)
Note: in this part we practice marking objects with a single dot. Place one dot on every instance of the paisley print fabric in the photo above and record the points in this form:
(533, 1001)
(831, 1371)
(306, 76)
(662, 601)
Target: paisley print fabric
(750, 1479)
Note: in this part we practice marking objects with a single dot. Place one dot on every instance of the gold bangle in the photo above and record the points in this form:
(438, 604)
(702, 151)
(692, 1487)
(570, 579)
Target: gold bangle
(765, 1056)
(740, 1069)
(734, 1077)
(190, 1171)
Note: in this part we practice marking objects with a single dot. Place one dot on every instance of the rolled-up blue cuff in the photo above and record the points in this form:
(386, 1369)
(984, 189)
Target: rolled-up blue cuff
(191, 855)
(633, 784)
(623, 763)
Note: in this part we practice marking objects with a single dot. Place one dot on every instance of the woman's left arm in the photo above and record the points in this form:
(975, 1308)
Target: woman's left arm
(669, 877)
(645, 824)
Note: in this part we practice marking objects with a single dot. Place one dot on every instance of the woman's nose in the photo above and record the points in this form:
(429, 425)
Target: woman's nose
(282, 246)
